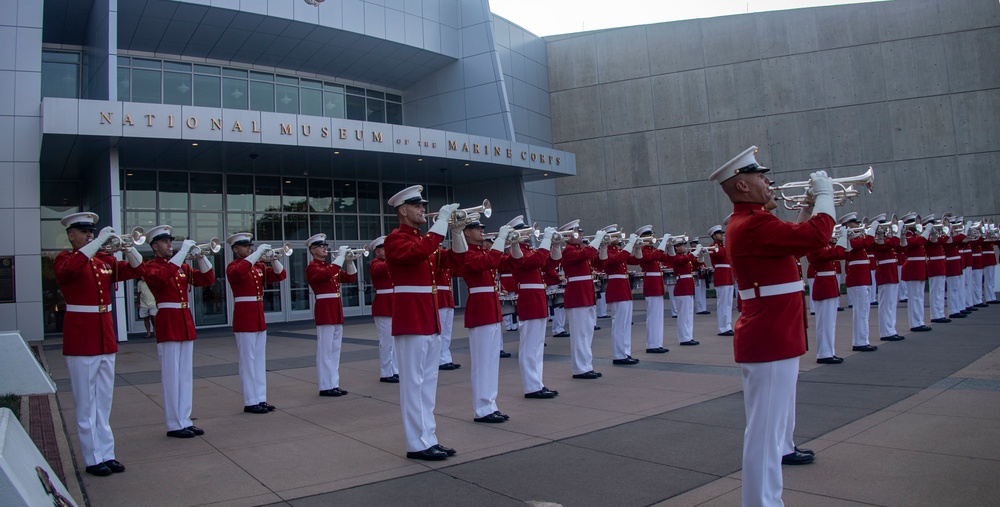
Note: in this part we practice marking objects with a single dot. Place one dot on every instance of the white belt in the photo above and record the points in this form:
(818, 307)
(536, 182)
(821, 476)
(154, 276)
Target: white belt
(957, 257)
(88, 308)
(722, 265)
(654, 273)
(772, 290)
(858, 263)
(936, 258)
(886, 261)
(247, 299)
(383, 291)
(328, 296)
(914, 259)
(617, 277)
(413, 289)
(826, 273)
(531, 286)
(579, 279)
(172, 306)
(505, 275)
(444, 287)
(683, 276)
(482, 290)
(977, 255)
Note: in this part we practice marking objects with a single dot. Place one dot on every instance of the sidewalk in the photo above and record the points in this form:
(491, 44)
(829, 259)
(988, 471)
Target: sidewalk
(915, 423)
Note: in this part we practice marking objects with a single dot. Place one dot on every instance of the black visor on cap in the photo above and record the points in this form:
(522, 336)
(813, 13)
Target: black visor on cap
(83, 226)
(521, 226)
(647, 233)
(474, 225)
(752, 168)
(161, 236)
(319, 243)
(415, 200)
(242, 242)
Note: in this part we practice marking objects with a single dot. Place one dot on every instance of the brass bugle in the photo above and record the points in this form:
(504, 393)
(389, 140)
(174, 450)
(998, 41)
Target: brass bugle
(521, 235)
(124, 241)
(845, 193)
(275, 253)
(463, 216)
(674, 240)
(609, 238)
(354, 253)
(212, 247)
(559, 237)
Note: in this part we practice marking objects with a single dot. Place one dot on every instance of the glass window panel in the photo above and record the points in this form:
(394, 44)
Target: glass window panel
(330, 87)
(56, 212)
(287, 99)
(140, 189)
(206, 192)
(321, 224)
(389, 222)
(346, 228)
(267, 190)
(298, 288)
(177, 88)
(146, 64)
(206, 91)
(309, 83)
(296, 227)
(272, 298)
(376, 110)
(205, 226)
(206, 69)
(268, 229)
(124, 84)
(60, 195)
(389, 190)
(124, 60)
(210, 302)
(356, 109)
(437, 196)
(173, 190)
(146, 86)
(261, 76)
(60, 80)
(54, 236)
(368, 197)
(234, 73)
(58, 56)
(52, 299)
(238, 222)
(370, 227)
(320, 196)
(261, 96)
(288, 80)
(372, 94)
(239, 193)
(345, 198)
(293, 196)
(179, 66)
(311, 102)
(234, 93)
(355, 90)
(179, 221)
(333, 105)
(144, 219)
(393, 113)
(392, 97)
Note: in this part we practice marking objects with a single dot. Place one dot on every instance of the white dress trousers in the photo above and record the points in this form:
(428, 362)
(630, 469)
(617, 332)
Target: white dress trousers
(447, 316)
(329, 339)
(977, 286)
(417, 356)
(93, 381)
(176, 380)
(768, 398)
(989, 282)
(936, 295)
(685, 318)
(530, 353)
(904, 290)
(581, 337)
(701, 297)
(915, 302)
(558, 320)
(673, 300)
(724, 307)
(812, 305)
(621, 328)
(967, 293)
(484, 349)
(386, 347)
(888, 298)
(858, 298)
(654, 321)
(602, 306)
(253, 366)
(873, 293)
(956, 294)
(826, 326)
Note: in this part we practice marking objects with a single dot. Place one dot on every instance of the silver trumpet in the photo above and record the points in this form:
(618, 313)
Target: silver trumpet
(464, 216)
(609, 238)
(210, 248)
(560, 237)
(274, 253)
(354, 253)
(522, 235)
(124, 241)
(843, 193)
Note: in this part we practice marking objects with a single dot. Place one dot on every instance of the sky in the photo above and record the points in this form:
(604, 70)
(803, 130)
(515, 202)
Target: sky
(551, 17)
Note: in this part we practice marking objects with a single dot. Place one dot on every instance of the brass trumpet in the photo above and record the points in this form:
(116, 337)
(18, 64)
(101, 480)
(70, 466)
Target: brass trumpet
(464, 216)
(124, 241)
(274, 253)
(559, 237)
(522, 235)
(212, 247)
(609, 238)
(674, 240)
(842, 195)
(354, 253)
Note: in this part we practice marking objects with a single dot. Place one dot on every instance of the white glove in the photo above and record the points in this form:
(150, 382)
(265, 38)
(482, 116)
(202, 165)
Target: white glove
(965, 232)
(872, 229)
(204, 265)
(902, 233)
(458, 243)
(277, 267)
(182, 252)
(670, 250)
(255, 256)
(515, 251)
(341, 255)
(602, 252)
(664, 243)
(440, 226)
(842, 241)
(926, 233)
(500, 243)
(106, 233)
(547, 234)
(133, 257)
(556, 252)
(599, 238)
(821, 188)
(90, 249)
(350, 267)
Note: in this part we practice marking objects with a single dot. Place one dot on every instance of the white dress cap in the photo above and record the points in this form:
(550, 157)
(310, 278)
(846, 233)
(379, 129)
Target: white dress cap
(715, 229)
(377, 242)
(743, 163)
(85, 220)
(314, 239)
(928, 219)
(408, 195)
(849, 217)
(518, 222)
(646, 229)
(878, 218)
(613, 228)
(910, 216)
(240, 238)
(571, 226)
(160, 232)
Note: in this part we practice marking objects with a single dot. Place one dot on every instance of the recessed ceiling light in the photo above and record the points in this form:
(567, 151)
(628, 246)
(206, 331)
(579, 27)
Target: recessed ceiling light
(194, 144)
(545, 174)
(336, 153)
(466, 165)
(420, 160)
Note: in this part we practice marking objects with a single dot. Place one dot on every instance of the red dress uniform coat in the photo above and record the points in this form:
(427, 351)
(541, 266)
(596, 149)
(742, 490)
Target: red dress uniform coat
(720, 261)
(531, 302)
(966, 250)
(506, 272)
(953, 256)
(858, 266)
(412, 262)
(442, 279)
(682, 265)
(169, 284)
(823, 260)
(89, 282)
(248, 280)
(326, 278)
(935, 256)
(763, 250)
(885, 256)
(989, 254)
(378, 271)
(616, 267)
(810, 271)
(652, 257)
(550, 274)
(479, 270)
(576, 265)
(977, 253)
(914, 258)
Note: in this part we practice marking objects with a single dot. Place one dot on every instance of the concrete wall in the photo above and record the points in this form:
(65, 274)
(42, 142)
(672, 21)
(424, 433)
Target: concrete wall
(910, 87)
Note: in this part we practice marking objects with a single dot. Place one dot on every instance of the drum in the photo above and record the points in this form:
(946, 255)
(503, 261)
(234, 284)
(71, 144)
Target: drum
(669, 278)
(697, 281)
(555, 295)
(601, 283)
(635, 281)
(709, 275)
(508, 304)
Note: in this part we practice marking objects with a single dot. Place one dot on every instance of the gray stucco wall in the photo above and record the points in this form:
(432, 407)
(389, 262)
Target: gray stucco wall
(910, 87)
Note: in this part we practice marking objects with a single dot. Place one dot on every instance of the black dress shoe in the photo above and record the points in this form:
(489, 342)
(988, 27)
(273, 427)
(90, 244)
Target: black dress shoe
(994, 302)
(588, 375)
(893, 338)
(726, 333)
(196, 430)
(540, 394)
(603, 316)
(981, 305)
(393, 379)
(255, 409)
(830, 360)
(812, 313)
(673, 316)
(797, 458)
(805, 451)
(706, 312)
(629, 360)
(864, 348)
(553, 391)
(115, 466)
(563, 334)
(447, 450)
(840, 308)
(920, 329)
(490, 418)
(874, 303)
(501, 414)
(429, 454)
(972, 309)
(270, 408)
(941, 321)
(965, 311)
(690, 342)
(504, 354)
(181, 433)
(958, 315)
(449, 366)
(902, 300)
(657, 350)
(336, 391)
(100, 470)
(597, 328)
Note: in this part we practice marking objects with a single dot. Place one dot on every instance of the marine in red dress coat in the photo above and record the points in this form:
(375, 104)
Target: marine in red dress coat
(169, 284)
(616, 267)
(651, 263)
(247, 281)
(576, 264)
(378, 272)
(527, 270)
(722, 270)
(325, 278)
(823, 261)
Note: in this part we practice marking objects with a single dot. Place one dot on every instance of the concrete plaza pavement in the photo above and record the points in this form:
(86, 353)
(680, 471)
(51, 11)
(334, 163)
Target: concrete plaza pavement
(915, 423)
